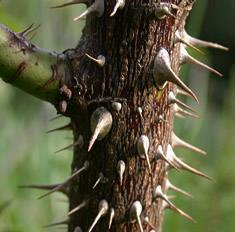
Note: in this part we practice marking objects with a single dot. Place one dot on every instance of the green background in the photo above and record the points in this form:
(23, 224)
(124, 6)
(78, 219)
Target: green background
(27, 152)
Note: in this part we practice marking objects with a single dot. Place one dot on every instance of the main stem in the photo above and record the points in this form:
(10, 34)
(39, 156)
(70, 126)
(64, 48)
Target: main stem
(129, 41)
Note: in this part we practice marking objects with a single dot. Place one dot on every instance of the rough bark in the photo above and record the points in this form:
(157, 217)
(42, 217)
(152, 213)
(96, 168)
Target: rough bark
(129, 41)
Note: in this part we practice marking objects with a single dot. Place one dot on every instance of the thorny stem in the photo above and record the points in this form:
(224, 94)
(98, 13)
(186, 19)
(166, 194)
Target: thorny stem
(34, 70)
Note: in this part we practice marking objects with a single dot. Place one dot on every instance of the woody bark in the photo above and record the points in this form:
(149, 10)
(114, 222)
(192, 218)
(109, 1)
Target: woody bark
(129, 41)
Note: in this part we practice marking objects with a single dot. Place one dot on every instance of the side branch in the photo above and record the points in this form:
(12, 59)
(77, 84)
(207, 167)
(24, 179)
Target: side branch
(34, 70)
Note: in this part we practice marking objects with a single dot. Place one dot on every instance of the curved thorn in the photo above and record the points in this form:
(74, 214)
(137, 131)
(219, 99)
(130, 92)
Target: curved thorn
(119, 5)
(112, 214)
(181, 112)
(135, 212)
(80, 206)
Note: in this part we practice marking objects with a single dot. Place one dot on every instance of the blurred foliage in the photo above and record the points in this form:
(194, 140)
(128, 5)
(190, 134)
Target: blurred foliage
(26, 151)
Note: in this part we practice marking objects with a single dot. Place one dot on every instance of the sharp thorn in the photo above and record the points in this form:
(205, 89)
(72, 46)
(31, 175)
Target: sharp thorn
(101, 123)
(66, 183)
(76, 209)
(162, 72)
(177, 142)
(102, 210)
(64, 222)
(121, 166)
(173, 100)
(112, 214)
(135, 213)
(100, 59)
(181, 112)
(97, 7)
(65, 127)
(142, 149)
(101, 176)
(176, 189)
(160, 155)
(119, 5)
(186, 58)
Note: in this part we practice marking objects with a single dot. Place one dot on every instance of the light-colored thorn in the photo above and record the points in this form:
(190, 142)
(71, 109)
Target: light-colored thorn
(119, 5)
(142, 149)
(100, 60)
(146, 220)
(165, 205)
(97, 7)
(181, 112)
(76, 209)
(170, 186)
(101, 123)
(162, 119)
(102, 210)
(28, 30)
(201, 43)
(181, 92)
(160, 155)
(158, 193)
(73, 2)
(112, 214)
(135, 213)
(173, 100)
(65, 127)
(162, 10)
(101, 176)
(121, 166)
(186, 58)
(177, 142)
(117, 106)
(79, 143)
(77, 229)
(67, 182)
(162, 72)
(179, 39)
(171, 155)
(64, 222)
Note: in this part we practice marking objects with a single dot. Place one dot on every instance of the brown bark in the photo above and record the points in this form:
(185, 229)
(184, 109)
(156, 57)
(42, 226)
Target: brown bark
(129, 41)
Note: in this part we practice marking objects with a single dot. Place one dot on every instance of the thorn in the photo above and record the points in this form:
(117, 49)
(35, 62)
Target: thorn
(176, 189)
(63, 106)
(183, 113)
(179, 211)
(101, 176)
(97, 7)
(112, 214)
(65, 127)
(65, 222)
(163, 72)
(65, 183)
(179, 39)
(135, 212)
(146, 220)
(201, 43)
(73, 2)
(45, 187)
(177, 142)
(179, 163)
(173, 100)
(181, 92)
(162, 10)
(160, 155)
(117, 106)
(186, 58)
(142, 148)
(28, 30)
(121, 166)
(102, 210)
(119, 5)
(77, 229)
(101, 123)
(100, 59)
(162, 119)
(79, 143)
(80, 206)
